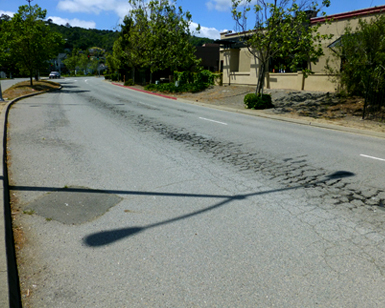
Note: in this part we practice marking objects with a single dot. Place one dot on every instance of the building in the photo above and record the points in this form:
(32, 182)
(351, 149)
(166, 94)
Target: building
(240, 67)
(209, 55)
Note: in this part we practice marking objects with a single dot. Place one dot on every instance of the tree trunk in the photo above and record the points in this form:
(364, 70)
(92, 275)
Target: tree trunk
(261, 79)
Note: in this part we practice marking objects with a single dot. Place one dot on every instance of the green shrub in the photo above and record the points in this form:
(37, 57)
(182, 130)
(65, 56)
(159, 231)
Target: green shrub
(218, 78)
(112, 76)
(202, 76)
(184, 77)
(188, 82)
(163, 87)
(171, 88)
(254, 101)
(129, 82)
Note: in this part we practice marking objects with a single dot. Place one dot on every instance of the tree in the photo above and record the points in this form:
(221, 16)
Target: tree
(361, 52)
(127, 51)
(156, 35)
(111, 63)
(73, 60)
(29, 41)
(6, 62)
(361, 55)
(83, 62)
(281, 30)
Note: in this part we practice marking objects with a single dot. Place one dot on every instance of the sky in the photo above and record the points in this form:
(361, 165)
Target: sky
(214, 16)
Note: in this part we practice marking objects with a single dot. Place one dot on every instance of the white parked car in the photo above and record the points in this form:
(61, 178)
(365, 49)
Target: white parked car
(54, 75)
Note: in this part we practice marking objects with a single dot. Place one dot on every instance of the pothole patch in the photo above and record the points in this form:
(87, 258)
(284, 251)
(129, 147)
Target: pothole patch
(73, 205)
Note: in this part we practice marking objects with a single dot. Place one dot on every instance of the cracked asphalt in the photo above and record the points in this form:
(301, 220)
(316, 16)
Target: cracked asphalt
(212, 214)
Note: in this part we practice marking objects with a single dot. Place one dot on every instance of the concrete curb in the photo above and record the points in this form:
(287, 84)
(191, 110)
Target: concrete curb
(144, 91)
(9, 280)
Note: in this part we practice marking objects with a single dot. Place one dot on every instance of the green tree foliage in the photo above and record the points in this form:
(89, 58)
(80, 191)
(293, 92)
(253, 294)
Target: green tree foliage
(73, 61)
(125, 50)
(80, 38)
(281, 30)
(156, 35)
(91, 59)
(28, 41)
(361, 55)
(361, 52)
(5, 61)
(83, 61)
(200, 41)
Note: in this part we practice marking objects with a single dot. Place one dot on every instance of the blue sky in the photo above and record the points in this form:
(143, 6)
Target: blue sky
(214, 16)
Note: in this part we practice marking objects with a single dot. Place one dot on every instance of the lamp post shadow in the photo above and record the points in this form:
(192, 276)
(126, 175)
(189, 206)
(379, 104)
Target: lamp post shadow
(107, 237)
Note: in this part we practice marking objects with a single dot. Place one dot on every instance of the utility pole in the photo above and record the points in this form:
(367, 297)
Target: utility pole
(1, 94)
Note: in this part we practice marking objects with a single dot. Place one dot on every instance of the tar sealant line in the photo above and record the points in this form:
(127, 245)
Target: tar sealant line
(372, 157)
(213, 121)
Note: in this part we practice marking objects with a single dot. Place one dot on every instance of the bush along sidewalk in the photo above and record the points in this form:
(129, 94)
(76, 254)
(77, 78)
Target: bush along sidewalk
(254, 101)
(186, 82)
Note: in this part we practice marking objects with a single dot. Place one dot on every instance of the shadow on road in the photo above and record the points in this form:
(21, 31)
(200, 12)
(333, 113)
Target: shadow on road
(103, 238)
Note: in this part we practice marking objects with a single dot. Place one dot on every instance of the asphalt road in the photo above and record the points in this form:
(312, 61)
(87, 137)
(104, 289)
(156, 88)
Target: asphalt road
(131, 200)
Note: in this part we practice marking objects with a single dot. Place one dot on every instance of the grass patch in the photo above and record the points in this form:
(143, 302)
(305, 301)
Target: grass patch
(29, 212)
(24, 88)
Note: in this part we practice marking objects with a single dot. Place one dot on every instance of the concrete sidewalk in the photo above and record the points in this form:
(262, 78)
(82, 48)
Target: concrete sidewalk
(9, 282)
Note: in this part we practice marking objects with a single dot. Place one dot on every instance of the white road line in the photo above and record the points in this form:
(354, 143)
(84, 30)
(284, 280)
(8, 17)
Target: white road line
(212, 121)
(148, 105)
(372, 157)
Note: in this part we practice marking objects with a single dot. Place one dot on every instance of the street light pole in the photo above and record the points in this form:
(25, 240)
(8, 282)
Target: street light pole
(1, 94)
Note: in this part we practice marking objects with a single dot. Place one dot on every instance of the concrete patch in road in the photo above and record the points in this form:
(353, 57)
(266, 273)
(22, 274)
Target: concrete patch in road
(73, 205)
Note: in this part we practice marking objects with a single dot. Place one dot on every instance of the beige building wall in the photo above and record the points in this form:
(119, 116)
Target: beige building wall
(240, 67)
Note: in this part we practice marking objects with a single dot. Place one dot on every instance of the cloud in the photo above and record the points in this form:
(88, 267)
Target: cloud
(10, 14)
(120, 7)
(211, 33)
(73, 22)
(219, 5)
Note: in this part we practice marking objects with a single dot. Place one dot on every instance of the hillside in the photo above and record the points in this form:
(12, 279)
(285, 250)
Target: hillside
(76, 37)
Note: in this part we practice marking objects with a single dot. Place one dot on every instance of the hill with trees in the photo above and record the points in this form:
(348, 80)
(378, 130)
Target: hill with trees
(81, 38)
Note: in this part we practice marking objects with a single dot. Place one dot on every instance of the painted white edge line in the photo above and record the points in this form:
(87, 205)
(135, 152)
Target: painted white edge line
(148, 105)
(372, 157)
(212, 121)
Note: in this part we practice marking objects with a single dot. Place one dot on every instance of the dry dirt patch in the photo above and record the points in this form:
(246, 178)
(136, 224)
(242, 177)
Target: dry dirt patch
(24, 88)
